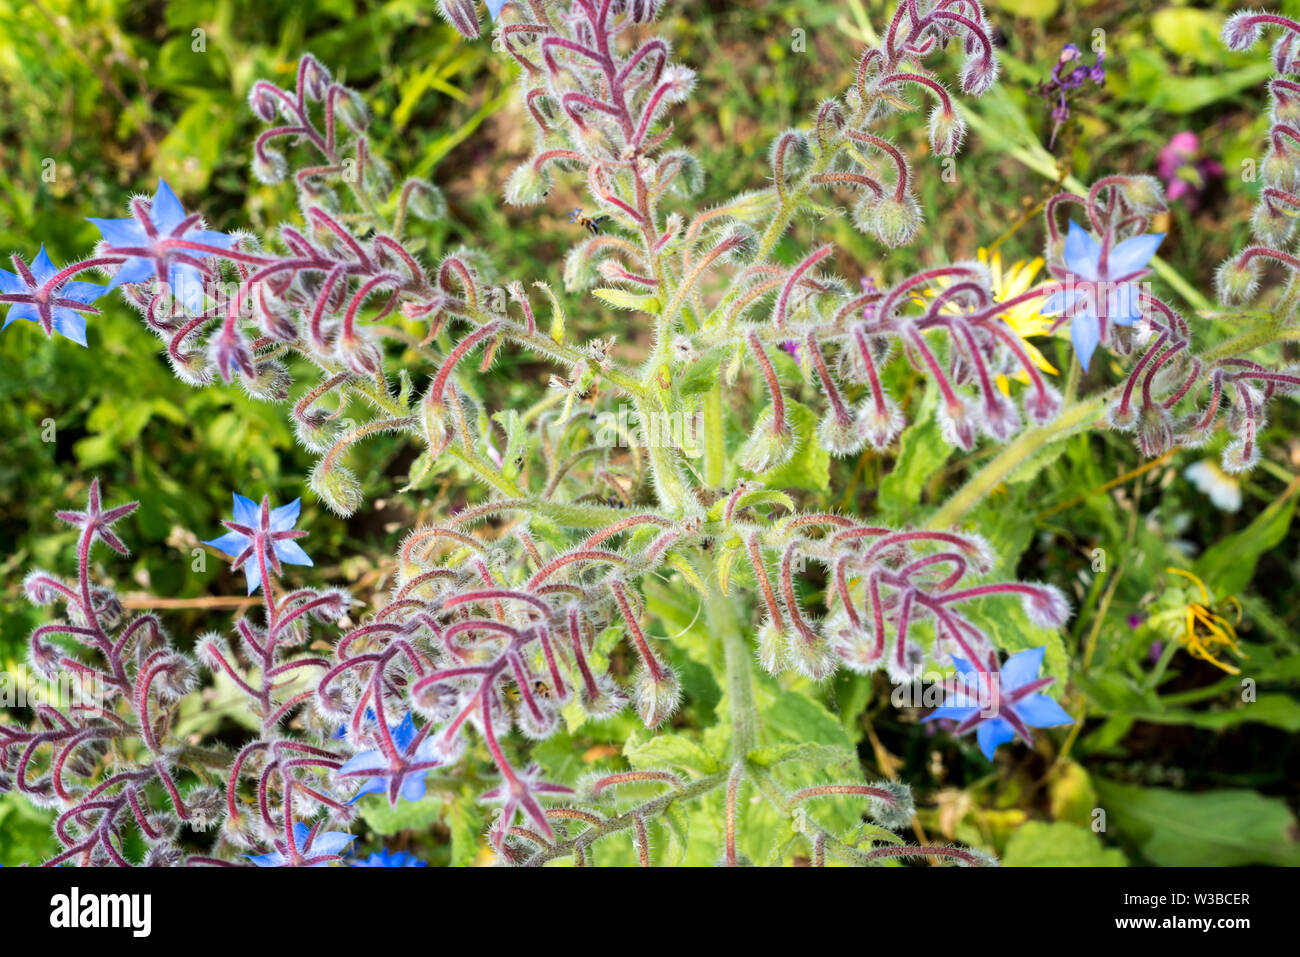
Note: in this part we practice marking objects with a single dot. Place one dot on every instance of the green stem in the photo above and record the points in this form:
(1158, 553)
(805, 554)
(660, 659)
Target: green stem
(1071, 419)
(725, 625)
(715, 451)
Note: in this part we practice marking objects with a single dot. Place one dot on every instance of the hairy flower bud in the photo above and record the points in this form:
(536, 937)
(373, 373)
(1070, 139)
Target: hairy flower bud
(894, 811)
(461, 14)
(269, 166)
(1272, 224)
(957, 422)
(1046, 606)
(1237, 280)
(843, 437)
(263, 102)
(1240, 456)
(883, 423)
(315, 78)
(1240, 32)
(1042, 405)
(769, 445)
(893, 221)
(527, 185)
(657, 698)
(1155, 430)
(978, 75)
(351, 110)
(947, 131)
(813, 658)
(773, 651)
(338, 488)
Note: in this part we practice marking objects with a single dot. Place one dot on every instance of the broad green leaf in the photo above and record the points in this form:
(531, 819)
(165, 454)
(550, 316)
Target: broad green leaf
(1226, 828)
(384, 819)
(809, 468)
(1228, 565)
(1190, 32)
(1040, 844)
(673, 750)
(921, 452)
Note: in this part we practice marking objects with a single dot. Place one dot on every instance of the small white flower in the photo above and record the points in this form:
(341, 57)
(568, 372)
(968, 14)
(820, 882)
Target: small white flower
(1224, 491)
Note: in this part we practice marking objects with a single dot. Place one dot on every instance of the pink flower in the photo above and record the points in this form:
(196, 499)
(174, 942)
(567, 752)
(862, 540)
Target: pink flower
(1186, 175)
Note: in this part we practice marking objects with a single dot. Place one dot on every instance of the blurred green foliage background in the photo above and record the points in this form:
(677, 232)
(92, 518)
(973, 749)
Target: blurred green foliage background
(99, 98)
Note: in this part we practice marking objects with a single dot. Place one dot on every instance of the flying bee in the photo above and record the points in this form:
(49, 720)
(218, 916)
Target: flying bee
(591, 223)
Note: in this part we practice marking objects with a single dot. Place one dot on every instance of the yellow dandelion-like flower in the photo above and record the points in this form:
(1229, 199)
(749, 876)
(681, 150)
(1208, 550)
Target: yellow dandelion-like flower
(1205, 631)
(1023, 318)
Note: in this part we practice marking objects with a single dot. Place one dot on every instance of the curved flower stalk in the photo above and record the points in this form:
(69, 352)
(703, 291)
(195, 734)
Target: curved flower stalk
(109, 745)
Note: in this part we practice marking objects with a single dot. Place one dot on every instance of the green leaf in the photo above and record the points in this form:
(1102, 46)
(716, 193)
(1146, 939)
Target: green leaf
(622, 299)
(28, 832)
(673, 750)
(384, 819)
(1190, 32)
(1039, 844)
(1277, 710)
(921, 452)
(1228, 565)
(810, 467)
(1224, 828)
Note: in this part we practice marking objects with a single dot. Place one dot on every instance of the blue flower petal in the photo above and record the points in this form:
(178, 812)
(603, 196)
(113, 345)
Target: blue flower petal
(1122, 305)
(404, 733)
(208, 238)
(166, 211)
(42, 267)
(246, 511)
(286, 516)
(253, 572)
(274, 859)
(993, 733)
(372, 786)
(1133, 254)
(495, 7)
(1085, 333)
(1082, 253)
(1060, 301)
(291, 552)
(373, 760)
(132, 271)
(232, 543)
(413, 788)
(1040, 711)
(1022, 668)
(70, 324)
(952, 713)
(82, 292)
(11, 284)
(121, 233)
(330, 842)
(23, 310)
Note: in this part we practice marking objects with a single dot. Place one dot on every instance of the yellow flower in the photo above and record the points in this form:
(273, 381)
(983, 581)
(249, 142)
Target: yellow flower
(1207, 632)
(1023, 318)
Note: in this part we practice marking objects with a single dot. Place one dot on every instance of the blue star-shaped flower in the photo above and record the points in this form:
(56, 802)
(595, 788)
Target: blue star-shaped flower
(138, 237)
(262, 528)
(325, 844)
(58, 306)
(1101, 288)
(1010, 707)
(403, 775)
(388, 858)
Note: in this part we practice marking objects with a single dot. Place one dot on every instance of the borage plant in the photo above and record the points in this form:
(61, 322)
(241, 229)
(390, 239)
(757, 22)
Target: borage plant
(644, 482)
